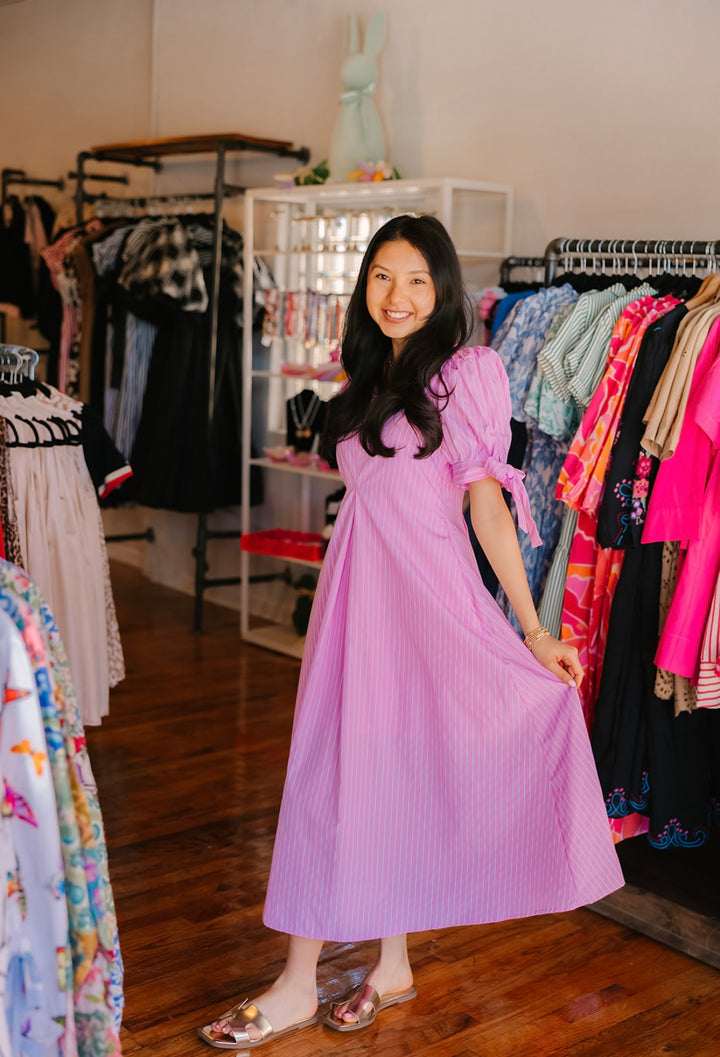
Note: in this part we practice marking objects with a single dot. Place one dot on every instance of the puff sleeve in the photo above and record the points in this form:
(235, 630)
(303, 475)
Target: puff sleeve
(476, 427)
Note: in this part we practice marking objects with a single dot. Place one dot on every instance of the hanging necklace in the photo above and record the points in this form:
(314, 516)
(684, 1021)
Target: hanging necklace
(303, 425)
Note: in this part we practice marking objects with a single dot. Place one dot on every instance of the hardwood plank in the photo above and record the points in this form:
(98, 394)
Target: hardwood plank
(190, 765)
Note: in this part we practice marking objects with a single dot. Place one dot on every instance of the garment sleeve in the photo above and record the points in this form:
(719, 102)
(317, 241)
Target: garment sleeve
(707, 405)
(476, 428)
(107, 466)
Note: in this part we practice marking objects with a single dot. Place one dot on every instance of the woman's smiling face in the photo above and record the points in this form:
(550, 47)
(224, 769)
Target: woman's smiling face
(400, 292)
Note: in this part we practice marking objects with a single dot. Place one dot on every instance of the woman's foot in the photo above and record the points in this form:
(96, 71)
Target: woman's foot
(282, 1005)
(386, 980)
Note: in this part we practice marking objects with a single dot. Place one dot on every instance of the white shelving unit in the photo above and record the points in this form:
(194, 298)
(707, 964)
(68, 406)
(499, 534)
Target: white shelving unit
(313, 239)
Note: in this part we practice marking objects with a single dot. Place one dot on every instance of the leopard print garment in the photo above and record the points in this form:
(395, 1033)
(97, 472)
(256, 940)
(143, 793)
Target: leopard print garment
(667, 684)
(11, 537)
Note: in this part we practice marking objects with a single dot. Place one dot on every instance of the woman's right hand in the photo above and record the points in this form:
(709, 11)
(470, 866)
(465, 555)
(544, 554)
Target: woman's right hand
(560, 658)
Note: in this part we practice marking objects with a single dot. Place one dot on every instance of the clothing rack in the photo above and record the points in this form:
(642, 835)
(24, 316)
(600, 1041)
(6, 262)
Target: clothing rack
(114, 178)
(630, 255)
(149, 154)
(639, 906)
(19, 178)
(511, 264)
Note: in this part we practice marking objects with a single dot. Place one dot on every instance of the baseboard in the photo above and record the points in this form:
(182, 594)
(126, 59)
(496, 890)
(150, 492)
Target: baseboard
(660, 918)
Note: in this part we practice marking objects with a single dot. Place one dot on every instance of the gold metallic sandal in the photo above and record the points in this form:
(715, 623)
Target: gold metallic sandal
(246, 1013)
(365, 1004)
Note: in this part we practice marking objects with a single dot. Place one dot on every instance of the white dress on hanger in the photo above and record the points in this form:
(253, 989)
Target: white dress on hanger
(63, 548)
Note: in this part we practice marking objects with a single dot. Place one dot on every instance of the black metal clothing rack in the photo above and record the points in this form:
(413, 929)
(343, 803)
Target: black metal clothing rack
(148, 154)
(667, 255)
(19, 178)
(511, 264)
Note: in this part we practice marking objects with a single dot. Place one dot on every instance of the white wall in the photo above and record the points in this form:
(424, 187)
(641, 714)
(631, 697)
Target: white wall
(71, 74)
(601, 114)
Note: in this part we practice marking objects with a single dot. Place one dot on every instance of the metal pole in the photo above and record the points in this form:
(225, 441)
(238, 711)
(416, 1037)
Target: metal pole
(200, 551)
(215, 280)
(200, 570)
(79, 189)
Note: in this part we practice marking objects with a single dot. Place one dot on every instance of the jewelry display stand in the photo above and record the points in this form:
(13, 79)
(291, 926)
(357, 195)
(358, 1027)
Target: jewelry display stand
(305, 420)
(313, 239)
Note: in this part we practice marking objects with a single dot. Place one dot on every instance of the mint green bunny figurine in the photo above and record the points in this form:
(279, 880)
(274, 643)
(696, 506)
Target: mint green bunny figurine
(357, 135)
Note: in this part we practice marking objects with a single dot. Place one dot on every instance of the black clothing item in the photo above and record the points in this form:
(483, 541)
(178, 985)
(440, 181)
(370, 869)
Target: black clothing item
(682, 286)
(104, 462)
(19, 283)
(48, 310)
(47, 215)
(649, 760)
(621, 516)
(162, 275)
(516, 455)
(16, 282)
(584, 281)
(175, 468)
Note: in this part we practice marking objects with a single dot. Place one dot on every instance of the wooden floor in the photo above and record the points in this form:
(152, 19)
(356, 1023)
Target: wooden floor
(190, 766)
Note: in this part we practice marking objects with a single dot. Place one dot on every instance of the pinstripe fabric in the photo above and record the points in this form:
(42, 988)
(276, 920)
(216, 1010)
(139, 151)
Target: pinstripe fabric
(140, 338)
(552, 358)
(550, 611)
(438, 775)
(708, 687)
(588, 359)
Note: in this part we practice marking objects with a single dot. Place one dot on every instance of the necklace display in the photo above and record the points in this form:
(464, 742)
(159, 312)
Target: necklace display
(305, 420)
(303, 424)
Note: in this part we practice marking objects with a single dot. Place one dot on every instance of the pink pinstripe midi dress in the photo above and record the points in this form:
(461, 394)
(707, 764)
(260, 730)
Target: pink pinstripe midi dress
(438, 774)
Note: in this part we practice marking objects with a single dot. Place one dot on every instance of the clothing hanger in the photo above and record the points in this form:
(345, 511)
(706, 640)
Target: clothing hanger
(53, 441)
(20, 360)
(29, 422)
(709, 291)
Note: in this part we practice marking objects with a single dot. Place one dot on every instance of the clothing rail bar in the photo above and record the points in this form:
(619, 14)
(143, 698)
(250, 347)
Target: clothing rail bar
(99, 177)
(119, 159)
(629, 250)
(81, 195)
(13, 177)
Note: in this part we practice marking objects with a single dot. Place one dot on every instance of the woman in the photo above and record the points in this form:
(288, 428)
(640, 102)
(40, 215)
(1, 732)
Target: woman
(440, 771)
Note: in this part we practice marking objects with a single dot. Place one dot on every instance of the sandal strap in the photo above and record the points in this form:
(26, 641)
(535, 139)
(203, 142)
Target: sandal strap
(250, 1015)
(362, 1002)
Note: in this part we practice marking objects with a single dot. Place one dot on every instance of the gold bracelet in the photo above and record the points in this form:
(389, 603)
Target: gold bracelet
(534, 636)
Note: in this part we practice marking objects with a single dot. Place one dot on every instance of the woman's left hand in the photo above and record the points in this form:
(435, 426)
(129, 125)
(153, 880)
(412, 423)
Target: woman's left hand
(560, 658)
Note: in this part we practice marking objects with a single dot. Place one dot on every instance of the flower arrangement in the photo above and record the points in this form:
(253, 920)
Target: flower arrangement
(308, 175)
(366, 172)
(373, 172)
(305, 176)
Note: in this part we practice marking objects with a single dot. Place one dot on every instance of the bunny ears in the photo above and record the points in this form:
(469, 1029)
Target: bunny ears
(374, 36)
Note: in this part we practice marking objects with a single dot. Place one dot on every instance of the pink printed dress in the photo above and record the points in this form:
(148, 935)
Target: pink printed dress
(438, 774)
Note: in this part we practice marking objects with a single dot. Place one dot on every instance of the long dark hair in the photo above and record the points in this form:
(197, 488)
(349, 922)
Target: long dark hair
(375, 393)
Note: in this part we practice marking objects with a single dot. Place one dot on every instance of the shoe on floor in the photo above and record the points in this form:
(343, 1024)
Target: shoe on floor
(365, 1004)
(235, 1037)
